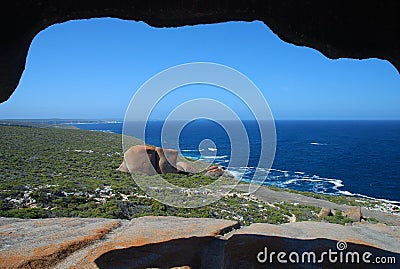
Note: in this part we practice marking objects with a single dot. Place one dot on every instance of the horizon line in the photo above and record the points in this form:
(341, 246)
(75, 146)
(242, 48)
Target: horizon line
(122, 120)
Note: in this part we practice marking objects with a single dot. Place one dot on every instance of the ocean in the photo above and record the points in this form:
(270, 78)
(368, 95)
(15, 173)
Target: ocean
(354, 158)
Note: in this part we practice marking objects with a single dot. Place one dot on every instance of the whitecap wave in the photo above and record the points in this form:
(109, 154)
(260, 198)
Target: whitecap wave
(212, 149)
(113, 121)
(318, 144)
(103, 131)
(347, 193)
(215, 157)
(310, 179)
(337, 182)
(297, 180)
(289, 179)
(237, 174)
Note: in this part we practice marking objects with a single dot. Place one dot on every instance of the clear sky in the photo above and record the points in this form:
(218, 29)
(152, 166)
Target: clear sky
(90, 69)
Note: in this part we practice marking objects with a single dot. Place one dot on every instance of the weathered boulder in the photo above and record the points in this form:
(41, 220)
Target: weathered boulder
(217, 171)
(185, 167)
(353, 213)
(149, 160)
(123, 167)
(166, 161)
(325, 211)
(139, 159)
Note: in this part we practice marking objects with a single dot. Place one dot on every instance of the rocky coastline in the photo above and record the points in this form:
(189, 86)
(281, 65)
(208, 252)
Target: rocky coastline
(64, 205)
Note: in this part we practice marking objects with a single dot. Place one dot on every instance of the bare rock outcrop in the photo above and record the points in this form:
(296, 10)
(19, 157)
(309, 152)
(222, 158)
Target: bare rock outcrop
(217, 171)
(42, 243)
(173, 242)
(353, 213)
(166, 160)
(159, 242)
(185, 167)
(154, 160)
(149, 160)
(325, 212)
(244, 245)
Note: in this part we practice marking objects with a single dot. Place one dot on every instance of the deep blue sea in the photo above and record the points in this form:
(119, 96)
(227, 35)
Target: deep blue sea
(356, 158)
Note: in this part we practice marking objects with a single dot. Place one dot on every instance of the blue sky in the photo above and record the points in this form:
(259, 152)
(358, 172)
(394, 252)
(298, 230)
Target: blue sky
(90, 69)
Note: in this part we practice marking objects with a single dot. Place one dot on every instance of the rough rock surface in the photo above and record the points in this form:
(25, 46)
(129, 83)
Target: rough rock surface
(354, 29)
(167, 160)
(159, 242)
(244, 245)
(139, 158)
(172, 242)
(325, 211)
(42, 243)
(218, 171)
(353, 213)
(149, 160)
(186, 167)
